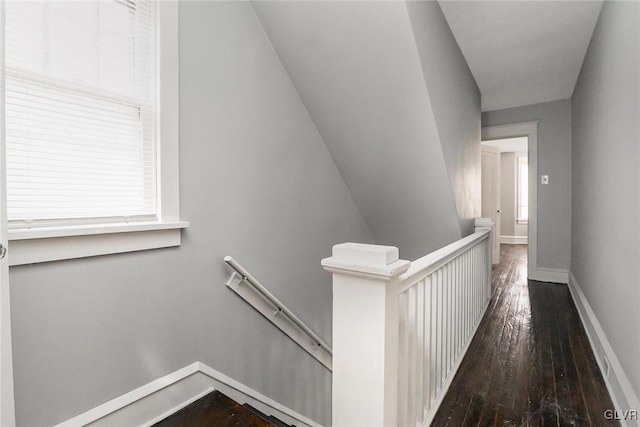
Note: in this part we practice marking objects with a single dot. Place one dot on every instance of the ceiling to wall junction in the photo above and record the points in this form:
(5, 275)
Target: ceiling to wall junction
(523, 52)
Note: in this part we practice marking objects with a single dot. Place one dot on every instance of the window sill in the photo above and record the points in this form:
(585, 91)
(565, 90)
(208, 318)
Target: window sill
(522, 222)
(29, 246)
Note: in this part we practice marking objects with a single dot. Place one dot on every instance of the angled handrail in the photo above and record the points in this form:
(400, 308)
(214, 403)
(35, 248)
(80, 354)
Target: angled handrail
(247, 277)
(429, 263)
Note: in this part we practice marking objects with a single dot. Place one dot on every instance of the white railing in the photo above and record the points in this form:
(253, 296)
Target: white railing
(401, 329)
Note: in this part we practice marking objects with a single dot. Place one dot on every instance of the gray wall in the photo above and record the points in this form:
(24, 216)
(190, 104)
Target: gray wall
(554, 159)
(509, 196)
(455, 101)
(257, 183)
(359, 72)
(606, 181)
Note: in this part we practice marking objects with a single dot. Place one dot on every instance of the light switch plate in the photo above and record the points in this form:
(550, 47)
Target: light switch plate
(544, 179)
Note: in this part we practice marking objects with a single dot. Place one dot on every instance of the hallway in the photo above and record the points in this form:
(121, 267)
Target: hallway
(530, 362)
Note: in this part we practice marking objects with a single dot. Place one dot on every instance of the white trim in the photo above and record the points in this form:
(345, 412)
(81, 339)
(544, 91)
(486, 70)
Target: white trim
(168, 131)
(617, 382)
(92, 229)
(53, 243)
(81, 244)
(521, 158)
(529, 129)
(158, 399)
(551, 275)
(514, 240)
(7, 403)
(320, 351)
(130, 398)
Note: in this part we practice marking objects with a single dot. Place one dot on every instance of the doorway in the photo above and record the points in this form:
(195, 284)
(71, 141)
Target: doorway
(517, 214)
(505, 189)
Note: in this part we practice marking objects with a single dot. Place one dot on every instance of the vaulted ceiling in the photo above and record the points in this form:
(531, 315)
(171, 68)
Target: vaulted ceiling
(523, 52)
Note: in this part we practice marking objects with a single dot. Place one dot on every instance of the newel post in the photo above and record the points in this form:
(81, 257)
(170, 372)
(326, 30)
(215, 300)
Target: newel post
(365, 333)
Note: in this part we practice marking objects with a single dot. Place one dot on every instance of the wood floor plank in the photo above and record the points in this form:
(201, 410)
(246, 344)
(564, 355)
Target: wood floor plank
(530, 363)
(214, 409)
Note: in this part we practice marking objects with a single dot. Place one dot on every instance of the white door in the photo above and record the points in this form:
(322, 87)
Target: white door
(491, 194)
(7, 414)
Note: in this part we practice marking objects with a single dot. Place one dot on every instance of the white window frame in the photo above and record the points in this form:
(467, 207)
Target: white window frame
(28, 246)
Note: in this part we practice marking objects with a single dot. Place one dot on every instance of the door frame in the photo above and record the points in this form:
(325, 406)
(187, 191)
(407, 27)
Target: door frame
(7, 402)
(530, 130)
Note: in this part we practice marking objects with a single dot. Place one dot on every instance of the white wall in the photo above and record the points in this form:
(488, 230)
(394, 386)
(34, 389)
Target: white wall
(554, 159)
(455, 101)
(509, 195)
(605, 246)
(257, 183)
(358, 69)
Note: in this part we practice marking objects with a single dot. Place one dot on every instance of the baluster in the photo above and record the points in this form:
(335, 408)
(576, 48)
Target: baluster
(465, 302)
(427, 370)
(461, 300)
(433, 348)
(463, 273)
(478, 289)
(439, 344)
(454, 310)
(467, 284)
(474, 287)
(420, 350)
(445, 329)
(403, 353)
(411, 356)
(456, 307)
(452, 290)
(459, 303)
(487, 275)
(445, 324)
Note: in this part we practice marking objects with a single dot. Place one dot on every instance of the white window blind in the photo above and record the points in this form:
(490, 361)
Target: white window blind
(80, 112)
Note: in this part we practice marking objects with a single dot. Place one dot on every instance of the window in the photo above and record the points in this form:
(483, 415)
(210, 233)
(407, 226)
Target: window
(523, 189)
(86, 85)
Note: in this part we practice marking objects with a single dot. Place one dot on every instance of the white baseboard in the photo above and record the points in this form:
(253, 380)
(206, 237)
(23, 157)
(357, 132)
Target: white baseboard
(617, 382)
(513, 240)
(157, 400)
(549, 275)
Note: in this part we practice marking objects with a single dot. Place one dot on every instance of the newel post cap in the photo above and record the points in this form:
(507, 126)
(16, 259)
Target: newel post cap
(484, 222)
(371, 261)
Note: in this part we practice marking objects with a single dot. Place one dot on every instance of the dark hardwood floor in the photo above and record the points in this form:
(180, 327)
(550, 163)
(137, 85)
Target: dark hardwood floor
(218, 410)
(530, 363)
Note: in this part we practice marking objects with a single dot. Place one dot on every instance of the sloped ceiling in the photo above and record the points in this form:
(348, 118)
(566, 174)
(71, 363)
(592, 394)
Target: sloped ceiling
(357, 70)
(523, 52)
